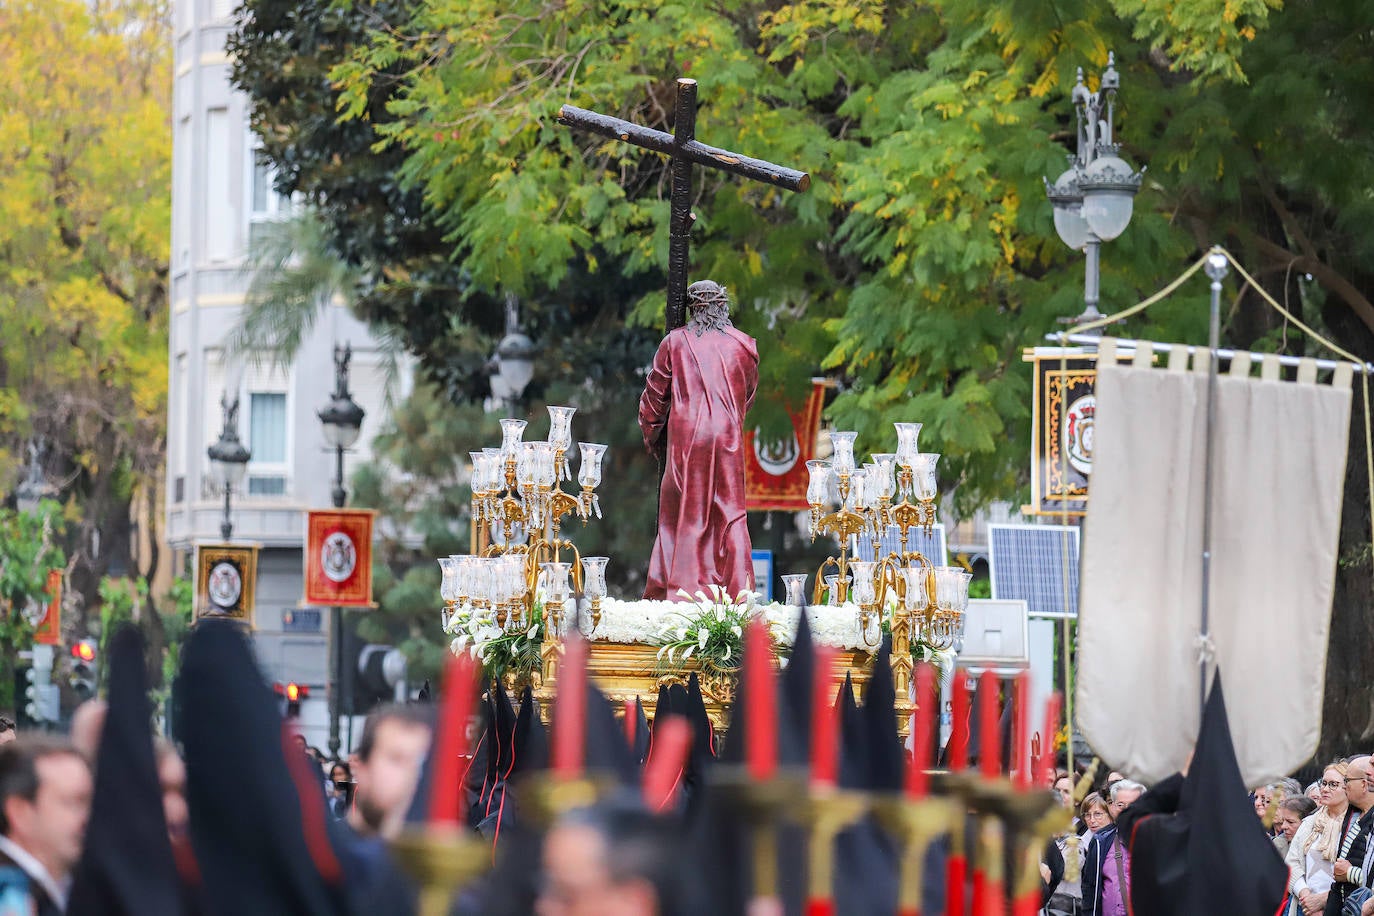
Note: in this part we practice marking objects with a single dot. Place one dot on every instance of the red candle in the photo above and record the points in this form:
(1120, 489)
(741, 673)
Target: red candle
(958, 732)
(825, 745)
(447, 797)
(761, 724)
(663, 772)
(917, 780)
(956, 880)
(1021, 702)
(631, 721)
(1047, 741)
(570, 710)
(989, 737)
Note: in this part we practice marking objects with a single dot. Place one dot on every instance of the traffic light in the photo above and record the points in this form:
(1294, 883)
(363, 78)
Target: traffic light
(41, 702)
(379, 670)
(83, 673)
(293, 693)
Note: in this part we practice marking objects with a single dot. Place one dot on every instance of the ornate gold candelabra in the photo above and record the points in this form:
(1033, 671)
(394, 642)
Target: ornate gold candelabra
(929, 600)
(518, 508)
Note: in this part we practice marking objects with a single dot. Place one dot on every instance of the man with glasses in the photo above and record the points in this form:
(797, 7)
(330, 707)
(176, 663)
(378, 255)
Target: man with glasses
(1355, 831)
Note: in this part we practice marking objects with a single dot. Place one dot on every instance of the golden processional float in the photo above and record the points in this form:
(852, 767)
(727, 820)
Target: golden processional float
(513, 601)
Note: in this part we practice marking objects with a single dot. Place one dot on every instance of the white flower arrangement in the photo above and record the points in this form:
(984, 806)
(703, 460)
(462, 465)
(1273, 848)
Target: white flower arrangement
(477, 632)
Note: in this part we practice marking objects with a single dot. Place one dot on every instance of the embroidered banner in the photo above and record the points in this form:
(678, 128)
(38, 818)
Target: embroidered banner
(1065, 407)
(48, 631)
(338, 558)
(775, 474)
(226, 581)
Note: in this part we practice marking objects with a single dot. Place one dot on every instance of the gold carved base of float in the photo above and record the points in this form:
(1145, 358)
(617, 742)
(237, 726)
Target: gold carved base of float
(632, 671)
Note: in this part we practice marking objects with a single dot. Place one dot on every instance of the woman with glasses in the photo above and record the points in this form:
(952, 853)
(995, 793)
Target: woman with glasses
(1312, 854)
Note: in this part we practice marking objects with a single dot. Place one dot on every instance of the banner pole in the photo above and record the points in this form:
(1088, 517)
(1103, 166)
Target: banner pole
(1216, 270)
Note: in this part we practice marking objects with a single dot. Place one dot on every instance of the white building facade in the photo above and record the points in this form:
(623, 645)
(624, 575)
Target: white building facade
(221, 193)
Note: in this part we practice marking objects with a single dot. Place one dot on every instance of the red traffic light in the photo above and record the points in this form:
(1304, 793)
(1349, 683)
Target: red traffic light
(84, 651)
(293, 692)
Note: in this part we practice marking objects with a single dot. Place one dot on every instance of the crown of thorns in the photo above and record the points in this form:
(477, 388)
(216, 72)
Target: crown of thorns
(707, 292)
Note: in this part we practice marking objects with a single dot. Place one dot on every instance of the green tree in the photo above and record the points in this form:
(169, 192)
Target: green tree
(30, 546)
(85, 165)
(923, 259)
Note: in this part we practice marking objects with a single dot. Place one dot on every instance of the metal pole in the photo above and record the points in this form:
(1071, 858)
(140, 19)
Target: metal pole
(336, 628)
(226, 527)
(1092, 276)
(1216, 270)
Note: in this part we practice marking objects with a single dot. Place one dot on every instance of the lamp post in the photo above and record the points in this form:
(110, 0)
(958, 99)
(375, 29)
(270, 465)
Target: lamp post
(1094, 198)
(513, 363)
(34, 488)
(228, 459)
(343, 422)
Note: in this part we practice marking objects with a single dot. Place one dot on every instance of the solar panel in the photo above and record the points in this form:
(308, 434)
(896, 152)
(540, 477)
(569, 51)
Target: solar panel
(931, 546)
(1037, 564)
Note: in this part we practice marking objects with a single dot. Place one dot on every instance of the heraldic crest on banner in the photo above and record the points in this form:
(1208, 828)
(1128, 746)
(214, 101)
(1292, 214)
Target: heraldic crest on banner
(1062, 439)
(226, 582)
(338, 558)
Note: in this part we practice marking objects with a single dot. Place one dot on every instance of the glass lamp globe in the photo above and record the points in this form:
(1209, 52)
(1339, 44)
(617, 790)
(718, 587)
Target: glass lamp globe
(1068, 210)
(1109, 188)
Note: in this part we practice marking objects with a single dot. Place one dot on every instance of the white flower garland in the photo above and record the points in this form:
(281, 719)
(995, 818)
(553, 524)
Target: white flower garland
(649, 622)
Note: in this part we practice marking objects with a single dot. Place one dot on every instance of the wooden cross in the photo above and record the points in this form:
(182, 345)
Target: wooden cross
(683, 149)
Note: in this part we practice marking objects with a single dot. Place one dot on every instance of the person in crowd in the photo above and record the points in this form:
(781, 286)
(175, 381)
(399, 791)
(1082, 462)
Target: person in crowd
(1289, 817)
(1314, 792)
(340, 788)
(386, 768)
(1315, 847)
(1355, 829)
(45, 799)
(1261, 796)
(1067, 898)
(612, 859)
(7, 730)
(1093, 814)
(88, 720)
(1107, 863)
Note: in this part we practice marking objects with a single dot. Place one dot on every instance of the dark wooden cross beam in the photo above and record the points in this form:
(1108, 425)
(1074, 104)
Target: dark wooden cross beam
(682, 147)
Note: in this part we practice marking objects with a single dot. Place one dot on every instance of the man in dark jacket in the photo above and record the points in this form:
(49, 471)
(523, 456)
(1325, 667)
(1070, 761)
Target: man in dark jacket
(45, 798)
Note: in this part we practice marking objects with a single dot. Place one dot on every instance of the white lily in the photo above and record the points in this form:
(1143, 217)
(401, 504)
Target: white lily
(688, 654)
(726, 656)
(701, 640)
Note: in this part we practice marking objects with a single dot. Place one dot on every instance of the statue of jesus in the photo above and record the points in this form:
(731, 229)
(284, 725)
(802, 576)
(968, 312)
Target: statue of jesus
(699, 388)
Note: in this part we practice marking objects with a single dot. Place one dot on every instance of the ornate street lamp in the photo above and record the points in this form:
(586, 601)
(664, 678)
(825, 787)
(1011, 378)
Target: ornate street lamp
(34, 488)
(1093, 200)
(228, 459)
(343, 423)
(514, 360)
(342, 419)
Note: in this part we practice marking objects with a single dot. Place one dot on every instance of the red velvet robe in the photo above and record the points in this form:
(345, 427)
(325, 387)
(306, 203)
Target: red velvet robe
(698, 391)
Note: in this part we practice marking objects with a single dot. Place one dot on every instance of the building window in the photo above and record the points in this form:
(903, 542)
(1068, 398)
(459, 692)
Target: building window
(265, 205)
(267, 441)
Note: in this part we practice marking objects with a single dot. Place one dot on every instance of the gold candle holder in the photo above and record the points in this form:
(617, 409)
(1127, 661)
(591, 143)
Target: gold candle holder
(545, 797)
(828, 811)
(441, 863)
(763, 804)
(915, 823)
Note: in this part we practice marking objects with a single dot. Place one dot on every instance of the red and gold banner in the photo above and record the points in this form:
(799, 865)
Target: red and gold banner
(338, 558)
(48, 631)
(775, 475)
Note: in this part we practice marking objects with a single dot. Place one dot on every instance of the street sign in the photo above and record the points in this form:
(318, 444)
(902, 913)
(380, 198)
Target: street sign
(301, 620)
